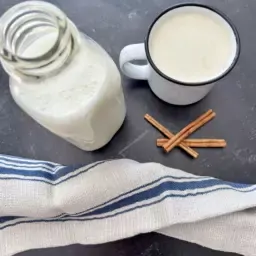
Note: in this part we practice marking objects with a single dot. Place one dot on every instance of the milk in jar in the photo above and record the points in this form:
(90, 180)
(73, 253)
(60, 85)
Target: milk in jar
(60, 77)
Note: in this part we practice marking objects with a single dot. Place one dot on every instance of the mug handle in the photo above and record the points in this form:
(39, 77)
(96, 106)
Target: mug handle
(130, 53)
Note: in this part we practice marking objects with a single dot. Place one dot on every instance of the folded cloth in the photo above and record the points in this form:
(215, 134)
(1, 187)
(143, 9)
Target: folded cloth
(45, 204)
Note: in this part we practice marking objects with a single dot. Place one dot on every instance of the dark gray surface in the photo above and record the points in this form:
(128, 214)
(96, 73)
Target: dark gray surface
(114, 24)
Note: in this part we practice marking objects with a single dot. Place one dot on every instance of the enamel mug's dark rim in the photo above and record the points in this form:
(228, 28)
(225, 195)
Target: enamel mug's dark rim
(233, 27)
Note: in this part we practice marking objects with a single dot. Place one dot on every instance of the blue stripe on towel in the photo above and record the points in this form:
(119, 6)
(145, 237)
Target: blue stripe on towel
(19, 160)
(8, 218)
(160, 200)
(25, 167)
(54, 181)
(144, 186)
(40, 173)
(5, 219)
(160, 189)
(147, 194)
(81, 219)
(207, 179)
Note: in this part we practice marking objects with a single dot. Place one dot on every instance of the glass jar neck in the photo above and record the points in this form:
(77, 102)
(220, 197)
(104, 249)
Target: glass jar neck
(36, 40)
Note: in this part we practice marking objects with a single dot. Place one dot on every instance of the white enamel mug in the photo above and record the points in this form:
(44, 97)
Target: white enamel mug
(165, 87)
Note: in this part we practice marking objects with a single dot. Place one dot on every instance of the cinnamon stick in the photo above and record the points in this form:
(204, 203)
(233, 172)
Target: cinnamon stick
(198, 143)
(189, 129)
(168, 134)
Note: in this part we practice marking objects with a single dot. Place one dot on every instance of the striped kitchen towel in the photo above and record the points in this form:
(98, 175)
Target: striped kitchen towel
(44, 204)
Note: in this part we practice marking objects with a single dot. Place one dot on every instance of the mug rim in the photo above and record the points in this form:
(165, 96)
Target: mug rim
(213, 9)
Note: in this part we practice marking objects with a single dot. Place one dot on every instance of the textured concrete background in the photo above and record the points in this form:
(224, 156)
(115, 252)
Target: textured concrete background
(114, 24)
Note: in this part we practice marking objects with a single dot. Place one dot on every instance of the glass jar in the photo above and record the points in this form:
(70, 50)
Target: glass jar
(60, 77)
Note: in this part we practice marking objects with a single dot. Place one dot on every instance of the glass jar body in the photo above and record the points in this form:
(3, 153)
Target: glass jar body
(82, 102)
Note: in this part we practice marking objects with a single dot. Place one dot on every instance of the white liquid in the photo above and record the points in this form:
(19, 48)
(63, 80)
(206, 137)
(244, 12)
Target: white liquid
(192, 44)
(83, 103)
